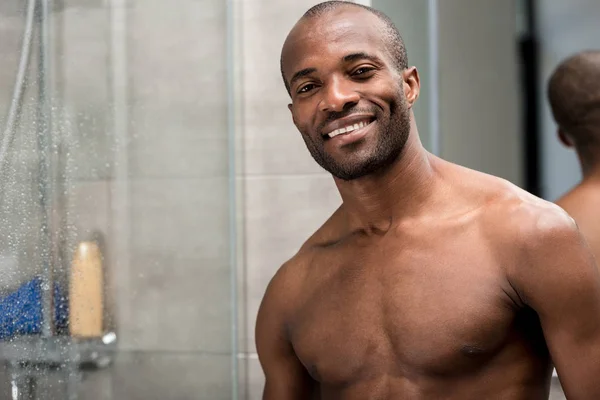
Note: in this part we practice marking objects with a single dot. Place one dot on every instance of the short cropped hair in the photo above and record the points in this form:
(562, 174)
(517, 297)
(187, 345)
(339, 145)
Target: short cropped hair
(392, 37)
(574, 97)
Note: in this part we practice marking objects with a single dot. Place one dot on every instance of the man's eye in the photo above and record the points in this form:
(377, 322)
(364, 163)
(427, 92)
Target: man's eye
(306, 88)
(362, 71)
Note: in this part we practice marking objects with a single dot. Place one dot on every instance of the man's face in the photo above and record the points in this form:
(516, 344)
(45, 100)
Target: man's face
(349, 101)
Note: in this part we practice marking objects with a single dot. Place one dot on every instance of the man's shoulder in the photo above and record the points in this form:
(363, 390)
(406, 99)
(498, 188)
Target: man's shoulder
(283, 290)
(513, 217)
(525, 220)
(529, 233)
(290, 274)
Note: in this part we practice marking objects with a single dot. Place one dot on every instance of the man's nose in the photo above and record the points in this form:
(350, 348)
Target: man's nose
(338, 95)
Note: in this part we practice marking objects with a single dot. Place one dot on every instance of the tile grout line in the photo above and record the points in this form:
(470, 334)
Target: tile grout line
(247, 356)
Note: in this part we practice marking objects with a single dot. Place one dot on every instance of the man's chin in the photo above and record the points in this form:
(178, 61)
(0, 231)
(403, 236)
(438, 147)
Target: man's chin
(350, 172)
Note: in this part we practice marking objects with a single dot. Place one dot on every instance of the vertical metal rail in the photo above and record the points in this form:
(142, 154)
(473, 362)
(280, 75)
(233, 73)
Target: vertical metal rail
(434, 95)
(44, 139)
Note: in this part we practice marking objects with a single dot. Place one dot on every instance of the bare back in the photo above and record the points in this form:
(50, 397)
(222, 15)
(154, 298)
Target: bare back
(583, 204)
(424, 310)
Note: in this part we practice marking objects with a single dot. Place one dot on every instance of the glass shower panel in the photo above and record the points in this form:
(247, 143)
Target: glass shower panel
(115, 208)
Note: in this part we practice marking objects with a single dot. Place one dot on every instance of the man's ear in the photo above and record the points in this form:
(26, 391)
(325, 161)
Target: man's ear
(412, 85)
(564, 138)
(292, 112)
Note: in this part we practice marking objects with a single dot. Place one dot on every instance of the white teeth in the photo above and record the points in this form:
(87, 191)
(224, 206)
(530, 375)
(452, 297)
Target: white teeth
(349, 128)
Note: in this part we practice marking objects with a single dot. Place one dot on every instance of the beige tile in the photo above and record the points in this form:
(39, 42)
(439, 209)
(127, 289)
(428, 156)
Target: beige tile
(164, 149)
(11, 9)
(251, 378)
(177, 54)
(182, 218)
(178, 89)
(159, 376)
(83, 51)
(256, 379)
(281, 213)
(87, 211)
(179, 305)
(179, 290)
(82, 116)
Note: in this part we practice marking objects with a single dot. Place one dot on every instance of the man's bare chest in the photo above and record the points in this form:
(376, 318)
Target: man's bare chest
(388, 311)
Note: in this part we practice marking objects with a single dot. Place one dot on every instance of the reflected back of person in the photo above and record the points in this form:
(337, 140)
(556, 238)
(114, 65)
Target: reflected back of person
(431, 280)
(574, 96)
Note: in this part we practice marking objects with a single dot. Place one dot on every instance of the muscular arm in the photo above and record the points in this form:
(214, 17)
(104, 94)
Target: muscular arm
(560, 281)
(286, 377)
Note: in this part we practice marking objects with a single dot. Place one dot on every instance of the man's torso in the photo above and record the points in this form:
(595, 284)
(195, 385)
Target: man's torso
(422, 311)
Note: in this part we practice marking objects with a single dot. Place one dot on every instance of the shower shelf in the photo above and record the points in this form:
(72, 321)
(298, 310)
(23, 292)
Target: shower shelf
(57, 351)
(31, 357)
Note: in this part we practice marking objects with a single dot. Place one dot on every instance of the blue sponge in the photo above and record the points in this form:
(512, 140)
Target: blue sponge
(21, 311)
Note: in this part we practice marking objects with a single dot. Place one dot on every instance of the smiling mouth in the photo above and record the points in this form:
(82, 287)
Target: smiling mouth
(349, 128)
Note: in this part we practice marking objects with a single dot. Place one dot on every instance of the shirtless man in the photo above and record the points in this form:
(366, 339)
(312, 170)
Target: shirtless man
(431, 281)
(574, 95)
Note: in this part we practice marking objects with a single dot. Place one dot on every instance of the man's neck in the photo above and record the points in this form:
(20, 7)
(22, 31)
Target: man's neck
(375, 202)
(591, 173)
(590, 168)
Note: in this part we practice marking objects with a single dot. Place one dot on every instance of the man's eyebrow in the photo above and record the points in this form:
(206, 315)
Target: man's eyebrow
(301, 73)
(361, 56)
(347, 58)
